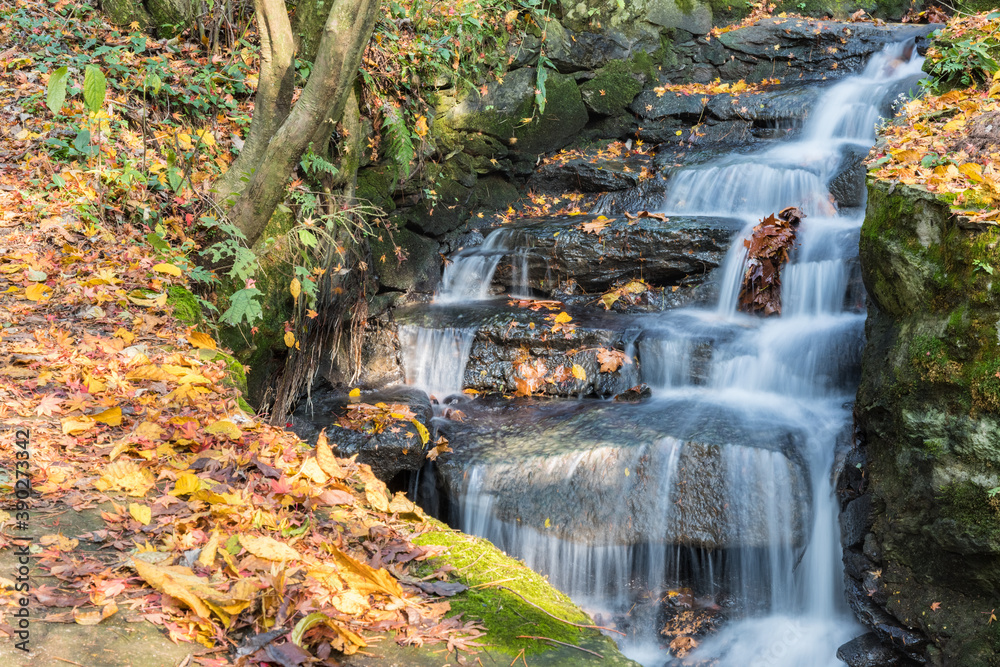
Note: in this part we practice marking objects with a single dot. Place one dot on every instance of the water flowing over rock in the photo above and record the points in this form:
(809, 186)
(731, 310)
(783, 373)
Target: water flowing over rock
(602, 496)
(718, 478)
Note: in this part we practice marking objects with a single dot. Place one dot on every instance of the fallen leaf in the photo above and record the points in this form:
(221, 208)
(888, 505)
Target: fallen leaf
(269, 548)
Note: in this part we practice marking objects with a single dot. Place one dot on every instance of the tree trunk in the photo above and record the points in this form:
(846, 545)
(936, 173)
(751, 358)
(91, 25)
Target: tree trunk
(347, 30)
(272, 102)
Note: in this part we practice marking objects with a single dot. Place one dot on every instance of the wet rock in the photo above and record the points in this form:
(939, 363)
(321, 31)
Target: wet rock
(651, 105)
(868, 651)
(582, 175)
(680, 250)
(648, 195)
(513, 344)
(808, 49)
(855, 521)
(416, 267)
(780, 104)
(635, 394)
(856, 564)
(899, 93)
(848, 184)
(891, 632)
(387, 453)
(551, 470)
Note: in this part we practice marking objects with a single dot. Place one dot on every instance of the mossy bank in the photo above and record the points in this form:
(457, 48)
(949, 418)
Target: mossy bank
(928, 414)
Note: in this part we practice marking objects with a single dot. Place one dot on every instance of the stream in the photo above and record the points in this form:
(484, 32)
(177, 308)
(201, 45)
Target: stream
(710, 504)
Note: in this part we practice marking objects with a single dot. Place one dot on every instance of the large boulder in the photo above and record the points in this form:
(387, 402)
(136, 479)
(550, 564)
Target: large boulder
(405, 261)
(506, 346)
(801, 49)
(679, 250)
(503, 111)
(603, 474)
(928, 413)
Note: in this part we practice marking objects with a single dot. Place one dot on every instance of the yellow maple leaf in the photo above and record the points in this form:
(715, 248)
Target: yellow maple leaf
(141, 513)
(269, 548)
(201, 340)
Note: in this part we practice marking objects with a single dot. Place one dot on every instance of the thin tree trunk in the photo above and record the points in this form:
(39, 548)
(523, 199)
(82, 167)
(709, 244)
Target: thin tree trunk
(347, 30)
(273, 100)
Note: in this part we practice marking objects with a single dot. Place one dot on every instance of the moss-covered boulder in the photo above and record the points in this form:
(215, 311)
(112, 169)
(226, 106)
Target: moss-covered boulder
(517, 606)
(508, 113)
(694, 16)
(405, 261)
(928, 411)
(611, 91)
(375, 186)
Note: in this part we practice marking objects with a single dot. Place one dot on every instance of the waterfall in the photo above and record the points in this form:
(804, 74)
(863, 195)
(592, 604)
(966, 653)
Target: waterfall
(470, 272)
(722, 481)
(435, 359)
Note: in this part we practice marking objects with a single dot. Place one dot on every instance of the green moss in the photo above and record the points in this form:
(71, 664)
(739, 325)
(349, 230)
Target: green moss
(612, 90)
(185, 304)
(374, 186)
(970, 506)
(644, 63)
(935, 446)
(505, 615)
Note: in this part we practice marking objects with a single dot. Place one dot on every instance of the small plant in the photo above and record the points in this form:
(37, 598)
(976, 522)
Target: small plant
(982, 266)
(961, 63)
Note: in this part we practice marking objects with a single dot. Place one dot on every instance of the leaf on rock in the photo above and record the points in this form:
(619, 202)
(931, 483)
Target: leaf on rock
(325, 458)
(95, 617)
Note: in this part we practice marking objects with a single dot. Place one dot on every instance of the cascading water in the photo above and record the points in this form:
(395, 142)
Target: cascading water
(721, 482)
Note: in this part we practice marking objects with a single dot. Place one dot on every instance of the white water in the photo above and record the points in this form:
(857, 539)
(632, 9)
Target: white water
(795, 373)
(435, 359)
(469, 275)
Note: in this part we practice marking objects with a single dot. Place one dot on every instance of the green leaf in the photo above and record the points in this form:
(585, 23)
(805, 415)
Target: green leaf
(57, 89)
(82, 141)
(540, 79)
(243, 307)
(153, 83)
(157, 242)
(95, 87)
(308, 238)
